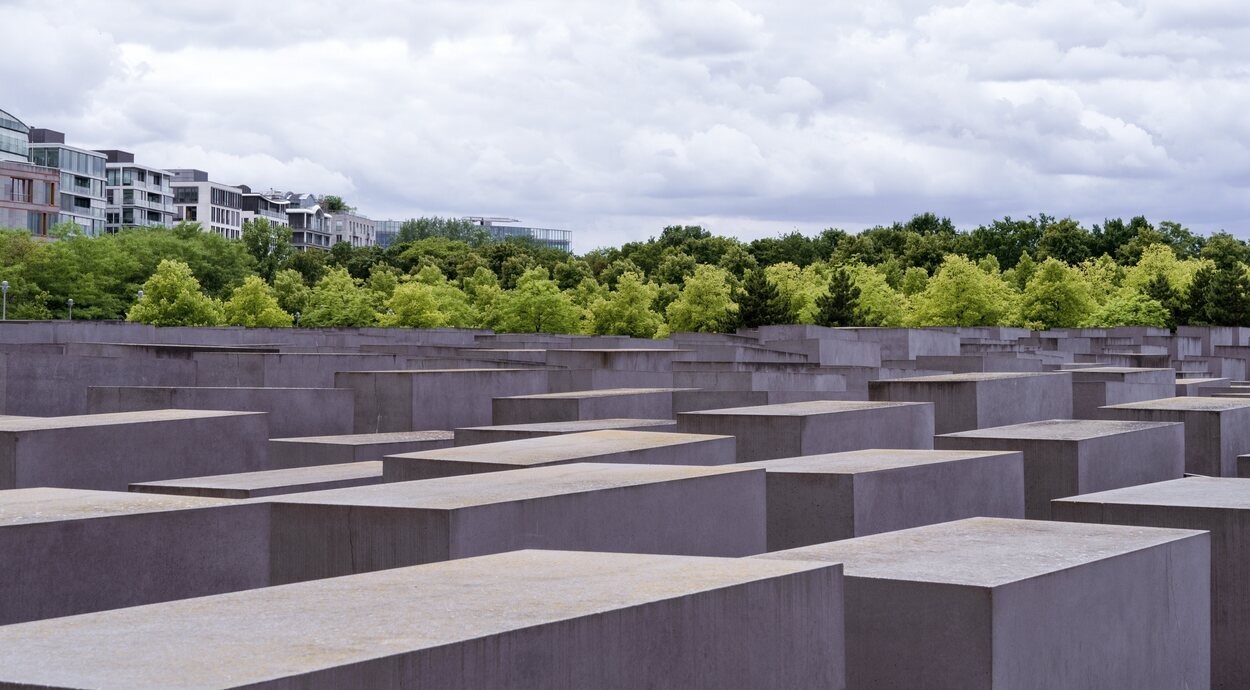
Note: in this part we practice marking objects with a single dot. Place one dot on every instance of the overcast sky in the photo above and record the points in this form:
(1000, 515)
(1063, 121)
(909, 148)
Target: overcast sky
(614, 119)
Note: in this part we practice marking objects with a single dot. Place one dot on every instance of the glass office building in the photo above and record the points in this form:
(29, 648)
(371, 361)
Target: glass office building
(549, 237)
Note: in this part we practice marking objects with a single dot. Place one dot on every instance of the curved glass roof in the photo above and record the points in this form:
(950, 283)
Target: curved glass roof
(7, 121)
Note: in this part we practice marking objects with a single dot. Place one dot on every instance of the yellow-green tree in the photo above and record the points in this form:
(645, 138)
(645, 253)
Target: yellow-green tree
(253, 304)
(1056, 297)
(961, 294)
(172, 297)
(627, 309)
(705, 304)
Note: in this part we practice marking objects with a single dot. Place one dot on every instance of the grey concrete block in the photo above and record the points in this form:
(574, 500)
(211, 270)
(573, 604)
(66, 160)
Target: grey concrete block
(111, 451)
(979, 400)
(636, 447)
(413, 400)
(1217, 430)
(269, 482)
(1218, 505)
(1071, 457)
(1097, 387)
(639, 403)
(993, 603)
(809, 428)
(332, 450)
(474, 435)
(814, 499)
(69, 551)
(623, 621)
(292, 411)
(697, 511)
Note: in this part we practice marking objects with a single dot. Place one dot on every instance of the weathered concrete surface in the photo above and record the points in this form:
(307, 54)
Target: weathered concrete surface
(333, 450)
(697, 511)
(269, 482)
(809, 428)
(69, 551)
(1218, 505)
(980, 400)
(292, 411)
(111, 451)
(1065, 457)
(1217, 430)
(608, 403)
(413, 400)
(1096, 387)
(474, 435)
(993, 603)
(814, 499)
(623, 621)
(636, 447)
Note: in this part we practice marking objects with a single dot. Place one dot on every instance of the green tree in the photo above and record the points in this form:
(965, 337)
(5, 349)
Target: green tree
(1056, 297)
(292, 294)
(761, 304)
(839, 306)
(254, 305)
(268, 243)
(1128, 307)
(339, 300)
(878, 304)
(1160, 290)
(334, 204)
(536, 305)
(627, 309)
(1220, 296)
(705, 303)
(172, 297)
(914, 281)
(960, 294)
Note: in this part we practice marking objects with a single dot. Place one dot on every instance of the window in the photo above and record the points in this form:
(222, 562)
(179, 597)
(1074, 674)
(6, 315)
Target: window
(192, 213)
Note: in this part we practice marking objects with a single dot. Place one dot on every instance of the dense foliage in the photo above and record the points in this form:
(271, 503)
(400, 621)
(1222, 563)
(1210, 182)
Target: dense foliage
(1039, 272)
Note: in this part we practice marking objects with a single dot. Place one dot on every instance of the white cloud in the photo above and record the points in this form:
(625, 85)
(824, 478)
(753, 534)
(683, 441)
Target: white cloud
(616, 119)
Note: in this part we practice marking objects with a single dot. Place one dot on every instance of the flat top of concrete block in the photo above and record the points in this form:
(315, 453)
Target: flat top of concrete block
(985, 552)
(873, 460)
(411, 372)
(1117, 370)
(1196, 492)
(610, 350)
(450, 493)
(112, 418)
(367, 439)
(1202, 382)
(212, 388)
(1184, 404)
(267, 479)
(576, 426)
(250, 637)
(45, 504)
(812, 407)
(1059, 430)
(600, 393)
(972, 377)
(546, 449)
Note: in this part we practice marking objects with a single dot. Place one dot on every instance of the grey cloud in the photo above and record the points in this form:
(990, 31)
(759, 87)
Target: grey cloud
(616, 119)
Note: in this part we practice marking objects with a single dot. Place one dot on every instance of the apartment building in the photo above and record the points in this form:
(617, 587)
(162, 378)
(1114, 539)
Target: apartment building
(218, 208)
(257, 205)
(310, 225)
(353, 228)
(136, 195)
(82, 179)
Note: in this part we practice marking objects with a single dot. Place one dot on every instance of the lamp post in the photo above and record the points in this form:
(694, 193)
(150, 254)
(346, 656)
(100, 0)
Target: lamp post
(70, 302)
(139, 295)
(297, 315)
(4, 310)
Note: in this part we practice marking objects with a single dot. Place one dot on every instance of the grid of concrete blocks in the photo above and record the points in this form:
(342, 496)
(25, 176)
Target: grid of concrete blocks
(787, 507)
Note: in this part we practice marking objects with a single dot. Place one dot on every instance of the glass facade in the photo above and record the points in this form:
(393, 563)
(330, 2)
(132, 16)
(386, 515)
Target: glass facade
(138, 196)
(14, 139)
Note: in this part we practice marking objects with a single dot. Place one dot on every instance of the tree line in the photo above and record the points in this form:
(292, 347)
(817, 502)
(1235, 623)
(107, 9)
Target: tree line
(1039, 272)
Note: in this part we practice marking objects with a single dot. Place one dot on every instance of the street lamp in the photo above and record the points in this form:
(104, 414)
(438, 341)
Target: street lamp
(297, 315)
(139, 295)
(70, 302)
(4, 311)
